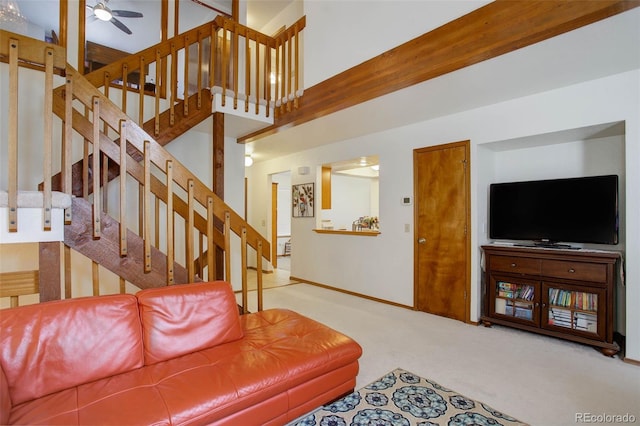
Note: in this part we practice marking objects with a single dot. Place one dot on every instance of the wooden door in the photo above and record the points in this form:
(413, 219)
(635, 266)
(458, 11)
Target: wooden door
(442, 234)
(274, 224)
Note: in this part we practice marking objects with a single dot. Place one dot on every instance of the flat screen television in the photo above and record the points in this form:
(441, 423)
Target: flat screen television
(546, 212)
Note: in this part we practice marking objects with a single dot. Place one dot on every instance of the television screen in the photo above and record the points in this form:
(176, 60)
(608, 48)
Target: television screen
(578, 210)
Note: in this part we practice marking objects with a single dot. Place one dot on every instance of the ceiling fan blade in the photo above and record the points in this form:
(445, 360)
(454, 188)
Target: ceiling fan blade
(120, 25)
(92, 18)
(126, 14)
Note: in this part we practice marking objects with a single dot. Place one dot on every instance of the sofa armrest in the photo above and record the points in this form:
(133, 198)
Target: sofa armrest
(5, 399)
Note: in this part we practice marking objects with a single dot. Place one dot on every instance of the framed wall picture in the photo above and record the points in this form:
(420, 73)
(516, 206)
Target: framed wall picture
(303, 200)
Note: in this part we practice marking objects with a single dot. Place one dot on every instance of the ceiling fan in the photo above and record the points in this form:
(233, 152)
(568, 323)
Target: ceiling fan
(103, 13)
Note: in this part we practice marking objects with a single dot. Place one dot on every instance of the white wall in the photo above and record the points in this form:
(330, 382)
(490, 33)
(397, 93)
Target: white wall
(358, 30)
(382, 266)
(284, 202)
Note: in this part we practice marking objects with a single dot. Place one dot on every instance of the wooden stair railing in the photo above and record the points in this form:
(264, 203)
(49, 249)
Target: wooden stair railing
(171, 115)
(19, 283)
(169, 133)
(166, 186)
(158, 175)
(221, 45)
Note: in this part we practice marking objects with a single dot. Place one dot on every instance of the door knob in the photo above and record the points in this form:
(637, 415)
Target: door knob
(422, 240)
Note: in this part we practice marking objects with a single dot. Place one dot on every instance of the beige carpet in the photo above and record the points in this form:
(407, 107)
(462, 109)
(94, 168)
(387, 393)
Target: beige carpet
(536, 379)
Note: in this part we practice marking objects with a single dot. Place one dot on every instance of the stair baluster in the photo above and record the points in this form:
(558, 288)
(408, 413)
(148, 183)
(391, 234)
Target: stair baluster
(118, 146)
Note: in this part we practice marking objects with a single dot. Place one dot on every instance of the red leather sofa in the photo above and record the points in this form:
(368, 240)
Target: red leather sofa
(178, 355)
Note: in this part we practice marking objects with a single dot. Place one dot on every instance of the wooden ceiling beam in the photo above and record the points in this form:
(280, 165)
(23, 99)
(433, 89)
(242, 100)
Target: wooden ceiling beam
(495, 29)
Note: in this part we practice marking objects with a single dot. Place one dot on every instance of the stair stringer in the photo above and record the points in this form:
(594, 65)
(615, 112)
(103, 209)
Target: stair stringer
(106, 250)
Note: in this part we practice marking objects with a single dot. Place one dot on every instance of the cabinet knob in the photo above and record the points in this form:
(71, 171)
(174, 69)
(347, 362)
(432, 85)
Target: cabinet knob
(513, 265)
(571, 270)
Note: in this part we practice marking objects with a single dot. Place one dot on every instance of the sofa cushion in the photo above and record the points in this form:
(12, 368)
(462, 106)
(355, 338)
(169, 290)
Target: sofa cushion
(126, 399)
(280, 350)
(186, 318)
(52, 346)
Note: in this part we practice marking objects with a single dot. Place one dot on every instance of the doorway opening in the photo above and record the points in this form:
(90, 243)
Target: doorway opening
(281, 220)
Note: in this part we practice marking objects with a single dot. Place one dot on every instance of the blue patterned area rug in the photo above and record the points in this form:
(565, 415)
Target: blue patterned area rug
(401, 398)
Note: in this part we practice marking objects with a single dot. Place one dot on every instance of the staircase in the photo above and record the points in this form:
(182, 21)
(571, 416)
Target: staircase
(138, 211)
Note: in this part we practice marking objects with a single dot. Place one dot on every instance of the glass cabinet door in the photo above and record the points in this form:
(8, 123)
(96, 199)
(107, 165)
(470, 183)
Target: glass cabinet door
(516, 299)
(573, 308)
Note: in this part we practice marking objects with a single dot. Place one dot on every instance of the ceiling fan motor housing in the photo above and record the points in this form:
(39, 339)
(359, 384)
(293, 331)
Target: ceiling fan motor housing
(103, 13)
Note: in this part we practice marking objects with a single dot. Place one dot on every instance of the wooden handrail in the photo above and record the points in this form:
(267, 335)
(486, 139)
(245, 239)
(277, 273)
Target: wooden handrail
(92, 115)
(219, 71)
(134, 169)
(89, 112)
(16, 284)
(174, 121)
(84, 127)
(137, 138)
(32, 55)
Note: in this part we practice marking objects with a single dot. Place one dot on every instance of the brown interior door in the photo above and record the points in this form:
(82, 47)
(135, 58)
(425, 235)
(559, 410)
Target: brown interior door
(442, 243)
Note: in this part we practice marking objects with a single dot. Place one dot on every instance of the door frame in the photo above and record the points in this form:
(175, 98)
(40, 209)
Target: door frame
(274, 224)
(416, 199)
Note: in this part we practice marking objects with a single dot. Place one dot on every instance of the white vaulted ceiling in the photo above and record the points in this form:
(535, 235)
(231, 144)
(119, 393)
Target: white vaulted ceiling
(607, 47)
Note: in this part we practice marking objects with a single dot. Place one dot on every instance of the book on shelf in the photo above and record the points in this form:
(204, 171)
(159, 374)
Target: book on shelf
(560, 297)
(503, 285)
(524, 313)
(515, 291)
(501, 306)
(585, 322)
(577, 299)
(559, 323)
(525, 292)
(560, 313)
(585, 315)
(560, 317)
(586, 301)
(505, 293)
(586, 326)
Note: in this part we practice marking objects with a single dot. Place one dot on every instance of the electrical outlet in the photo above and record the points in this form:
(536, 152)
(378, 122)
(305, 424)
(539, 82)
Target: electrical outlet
(407, 227)
(263, 222)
